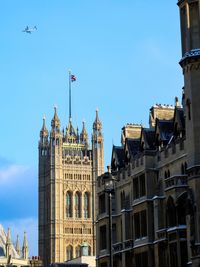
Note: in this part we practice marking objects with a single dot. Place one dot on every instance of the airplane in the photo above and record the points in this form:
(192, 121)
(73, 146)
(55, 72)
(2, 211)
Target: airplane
(29, 30)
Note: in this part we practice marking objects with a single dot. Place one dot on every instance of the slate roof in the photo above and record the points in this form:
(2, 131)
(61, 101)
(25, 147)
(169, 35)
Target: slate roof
(133, 146)
(165, 128)
(149, 138)
(118, 156)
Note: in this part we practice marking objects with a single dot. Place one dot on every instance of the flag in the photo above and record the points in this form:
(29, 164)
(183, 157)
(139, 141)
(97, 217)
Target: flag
(73, 78)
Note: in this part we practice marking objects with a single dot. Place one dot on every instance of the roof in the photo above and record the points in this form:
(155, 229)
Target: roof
(148, 136)
(165, 129)
(133, 146)
(117, 160)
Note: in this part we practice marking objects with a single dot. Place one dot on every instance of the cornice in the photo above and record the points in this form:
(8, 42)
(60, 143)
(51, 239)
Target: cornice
(191, 56)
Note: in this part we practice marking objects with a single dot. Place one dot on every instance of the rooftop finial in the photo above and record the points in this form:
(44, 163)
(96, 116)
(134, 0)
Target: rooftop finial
(176, 102)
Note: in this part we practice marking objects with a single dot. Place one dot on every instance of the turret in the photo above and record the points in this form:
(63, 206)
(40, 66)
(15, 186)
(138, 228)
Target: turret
(98, 146)
(190, 63)
(55, 122)
(44, 133)
(8, 244)
(17, 246)
(190, 26)
(71, 135)
(25, 248)
(84, 136)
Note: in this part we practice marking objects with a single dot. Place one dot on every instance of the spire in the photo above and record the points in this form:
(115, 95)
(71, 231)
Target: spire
(71, 135)
(44, 131)
(25, 247)
(17, 246)
(55, 123)
(8, 239)
(97, 123)
(8, 243)
(84, 135)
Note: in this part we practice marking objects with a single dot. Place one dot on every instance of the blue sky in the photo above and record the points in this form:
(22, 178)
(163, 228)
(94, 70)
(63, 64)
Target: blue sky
(125, 55)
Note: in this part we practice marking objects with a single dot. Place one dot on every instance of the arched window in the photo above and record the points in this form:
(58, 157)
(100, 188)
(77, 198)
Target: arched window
(69, 252)
(77, 205)
(182, 208)
(86, 205)
(89, 250)
(78, 251)
(185, 167)
(69, 212)
(171, 212)
(182, 169)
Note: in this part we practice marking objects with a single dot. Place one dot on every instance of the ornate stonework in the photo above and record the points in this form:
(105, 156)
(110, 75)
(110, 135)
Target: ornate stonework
(68, 168)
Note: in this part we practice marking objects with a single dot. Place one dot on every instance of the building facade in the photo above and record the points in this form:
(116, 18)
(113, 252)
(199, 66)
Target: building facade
(156, 200)
(67, 171)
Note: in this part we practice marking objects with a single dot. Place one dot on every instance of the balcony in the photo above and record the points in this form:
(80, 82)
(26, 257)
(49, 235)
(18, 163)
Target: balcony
(128, 244)
(161, 234)
(117, 248)
(176, 181)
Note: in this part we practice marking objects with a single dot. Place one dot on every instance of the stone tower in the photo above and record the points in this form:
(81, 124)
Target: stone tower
(67, 174)
(8, 244)
(190, 63)
(97, 147)
(25, 248)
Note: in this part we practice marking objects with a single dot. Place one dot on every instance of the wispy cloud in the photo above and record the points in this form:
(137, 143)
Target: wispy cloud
(11, 173)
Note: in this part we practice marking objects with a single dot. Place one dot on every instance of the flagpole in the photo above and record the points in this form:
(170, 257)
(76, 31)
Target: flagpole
(70, 111)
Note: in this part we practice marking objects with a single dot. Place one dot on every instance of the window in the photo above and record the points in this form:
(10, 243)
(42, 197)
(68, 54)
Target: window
(171, 212)
(122, 200)
(69, 252)
(141, 259)
(77, 205)
(102, 204)
(135, 188)
(137, 225)
(78, 251)
(103, 237)
(143, 222)
(69, 212)
(86, 205)
(114, 233)
(139, 187)
(142, 185)
(140, 224)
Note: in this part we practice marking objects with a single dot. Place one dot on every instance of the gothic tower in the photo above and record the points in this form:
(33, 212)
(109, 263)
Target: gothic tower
(25, 248)
(190, 63)
(66, 189)
(97, 147)
(8, 244)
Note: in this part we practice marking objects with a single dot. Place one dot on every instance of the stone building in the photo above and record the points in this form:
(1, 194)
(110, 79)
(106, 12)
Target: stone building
(67, 171)
(156, 199)
(11, 254)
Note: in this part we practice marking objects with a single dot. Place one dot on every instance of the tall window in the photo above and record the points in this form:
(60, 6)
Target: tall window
(69, 204)
(69, 252)
(102, 203)
(171, 212)
(139, 187)
(103, 237)
(140, 224)
(142, 185)
(77, 205)
(86, 205)
(78, 251)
